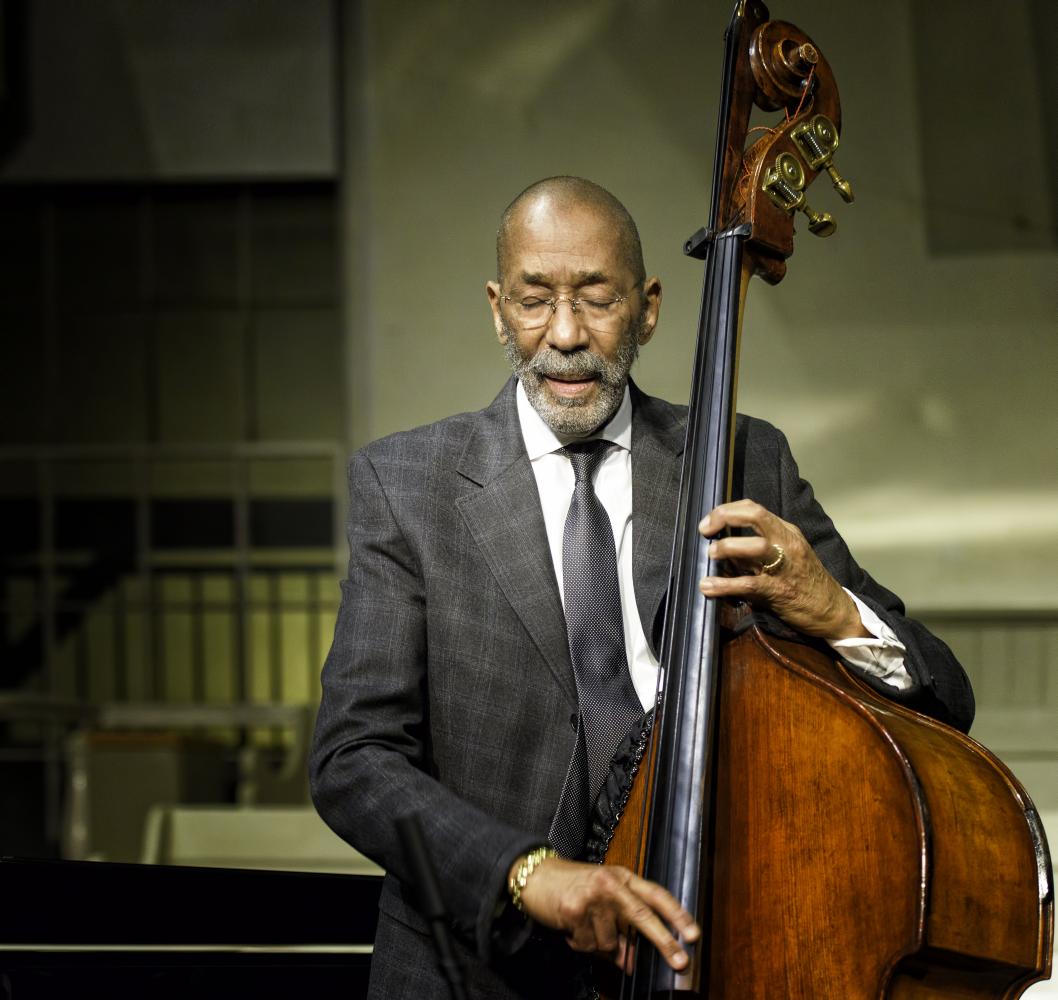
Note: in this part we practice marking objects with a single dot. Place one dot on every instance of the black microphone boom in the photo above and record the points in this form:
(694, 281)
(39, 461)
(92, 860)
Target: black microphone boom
(431, 902)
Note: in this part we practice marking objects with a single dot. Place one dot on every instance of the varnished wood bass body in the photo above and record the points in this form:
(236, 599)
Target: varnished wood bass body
(859, 850)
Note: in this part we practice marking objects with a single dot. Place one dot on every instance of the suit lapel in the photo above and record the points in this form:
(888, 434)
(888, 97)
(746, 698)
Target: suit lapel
(506, 522)
(657, 444)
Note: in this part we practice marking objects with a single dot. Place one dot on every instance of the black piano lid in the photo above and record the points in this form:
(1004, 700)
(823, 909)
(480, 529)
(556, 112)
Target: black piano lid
(99, 902)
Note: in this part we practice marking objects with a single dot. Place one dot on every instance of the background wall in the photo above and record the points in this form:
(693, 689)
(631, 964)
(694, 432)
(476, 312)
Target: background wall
(125, 90)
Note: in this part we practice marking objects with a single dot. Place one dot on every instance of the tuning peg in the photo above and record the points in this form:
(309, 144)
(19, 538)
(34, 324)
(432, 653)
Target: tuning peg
(784, 182)
(819, 223)
(818, 139)
(842, 186)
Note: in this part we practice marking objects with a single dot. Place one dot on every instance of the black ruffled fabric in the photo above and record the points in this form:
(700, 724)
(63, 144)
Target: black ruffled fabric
(612, 799)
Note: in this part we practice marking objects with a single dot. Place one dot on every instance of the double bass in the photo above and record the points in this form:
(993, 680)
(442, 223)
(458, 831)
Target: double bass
(832, 844)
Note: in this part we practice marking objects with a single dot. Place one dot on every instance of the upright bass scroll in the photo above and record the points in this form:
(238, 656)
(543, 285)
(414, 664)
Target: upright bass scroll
(776, 66)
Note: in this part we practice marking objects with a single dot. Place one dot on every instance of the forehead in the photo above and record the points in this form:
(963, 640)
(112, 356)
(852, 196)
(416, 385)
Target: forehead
(564, 244)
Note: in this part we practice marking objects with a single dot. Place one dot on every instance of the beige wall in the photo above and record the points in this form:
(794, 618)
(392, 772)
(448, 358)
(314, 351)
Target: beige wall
(177, 90)
(918, 390)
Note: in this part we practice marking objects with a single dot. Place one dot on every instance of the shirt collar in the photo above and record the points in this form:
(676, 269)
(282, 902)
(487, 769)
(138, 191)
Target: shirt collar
(541, 440)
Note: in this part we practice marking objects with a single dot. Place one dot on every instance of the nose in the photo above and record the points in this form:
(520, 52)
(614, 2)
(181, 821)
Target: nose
(565, 332)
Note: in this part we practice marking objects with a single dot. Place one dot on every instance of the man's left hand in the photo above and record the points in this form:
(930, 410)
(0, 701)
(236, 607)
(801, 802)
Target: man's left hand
(797, 588)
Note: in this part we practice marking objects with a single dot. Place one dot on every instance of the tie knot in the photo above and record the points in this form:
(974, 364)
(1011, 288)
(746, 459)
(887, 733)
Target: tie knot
(586, 456)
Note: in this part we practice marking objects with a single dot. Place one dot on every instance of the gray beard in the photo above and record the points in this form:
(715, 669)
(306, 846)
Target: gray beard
(574, 417)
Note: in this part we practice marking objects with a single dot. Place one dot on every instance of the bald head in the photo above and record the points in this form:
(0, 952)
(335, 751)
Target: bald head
(571, 194)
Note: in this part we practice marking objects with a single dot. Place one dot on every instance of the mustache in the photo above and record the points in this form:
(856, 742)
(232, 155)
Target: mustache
(578, 365)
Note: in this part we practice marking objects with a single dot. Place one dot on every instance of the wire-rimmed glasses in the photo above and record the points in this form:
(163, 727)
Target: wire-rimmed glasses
(598, 310)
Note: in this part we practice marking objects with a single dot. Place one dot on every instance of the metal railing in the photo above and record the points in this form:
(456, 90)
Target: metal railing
(46, 564)
(1011, 656)
(229, 628)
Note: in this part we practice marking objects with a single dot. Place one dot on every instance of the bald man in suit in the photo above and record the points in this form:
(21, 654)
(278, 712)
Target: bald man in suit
(449, 690)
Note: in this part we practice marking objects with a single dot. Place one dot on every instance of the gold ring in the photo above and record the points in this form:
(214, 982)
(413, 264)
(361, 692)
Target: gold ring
(773, 566)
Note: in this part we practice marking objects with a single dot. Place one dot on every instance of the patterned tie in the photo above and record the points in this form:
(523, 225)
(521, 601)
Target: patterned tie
(609, 707)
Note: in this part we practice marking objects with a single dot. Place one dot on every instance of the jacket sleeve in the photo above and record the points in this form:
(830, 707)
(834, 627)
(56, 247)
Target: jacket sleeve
(370, 762)
(940, 687)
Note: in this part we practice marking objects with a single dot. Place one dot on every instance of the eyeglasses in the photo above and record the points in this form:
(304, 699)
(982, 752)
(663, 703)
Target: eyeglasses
(599, 311)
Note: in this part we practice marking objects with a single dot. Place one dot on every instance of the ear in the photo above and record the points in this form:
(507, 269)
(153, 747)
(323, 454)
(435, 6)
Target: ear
(651, 309)
(492, 290)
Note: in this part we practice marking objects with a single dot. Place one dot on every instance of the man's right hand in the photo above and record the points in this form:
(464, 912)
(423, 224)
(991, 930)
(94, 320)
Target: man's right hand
(597, 905)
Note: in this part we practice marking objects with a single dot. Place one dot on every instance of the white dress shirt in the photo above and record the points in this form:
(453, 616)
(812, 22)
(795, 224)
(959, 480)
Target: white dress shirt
(882, 655)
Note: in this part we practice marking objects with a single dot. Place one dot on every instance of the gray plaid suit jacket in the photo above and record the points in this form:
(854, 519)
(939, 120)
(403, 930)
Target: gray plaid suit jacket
(449, 691)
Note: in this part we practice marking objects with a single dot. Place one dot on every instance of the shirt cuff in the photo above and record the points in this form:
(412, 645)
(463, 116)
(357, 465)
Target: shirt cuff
(881, 655)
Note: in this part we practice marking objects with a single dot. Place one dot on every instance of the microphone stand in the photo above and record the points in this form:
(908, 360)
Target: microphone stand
(431, 902)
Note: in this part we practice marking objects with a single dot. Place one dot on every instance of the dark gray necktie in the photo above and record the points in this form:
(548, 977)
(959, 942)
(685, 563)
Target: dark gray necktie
(608, 703)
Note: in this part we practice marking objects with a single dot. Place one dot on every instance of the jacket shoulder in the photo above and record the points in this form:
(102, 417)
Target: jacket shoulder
(752, 434)
(420, 442)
